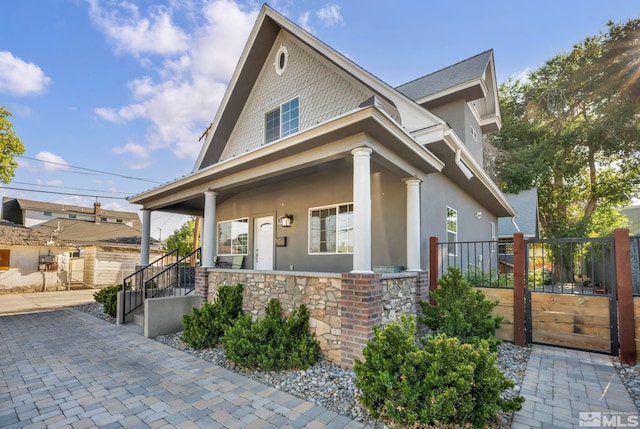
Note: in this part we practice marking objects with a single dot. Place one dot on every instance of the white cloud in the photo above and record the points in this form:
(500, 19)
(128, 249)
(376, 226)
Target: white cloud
(330, 15)
(181, 94)
(303, 21)
(51, 161)
(20, 77)
(522, 76)
(131, 33)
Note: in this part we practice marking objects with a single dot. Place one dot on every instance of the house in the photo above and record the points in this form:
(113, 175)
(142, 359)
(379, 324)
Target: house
(632, 213)
(29, 260)
(527, 221)
(106, 243)
(322, 177)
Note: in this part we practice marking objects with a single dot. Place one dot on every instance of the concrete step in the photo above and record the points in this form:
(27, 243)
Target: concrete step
(138, 317)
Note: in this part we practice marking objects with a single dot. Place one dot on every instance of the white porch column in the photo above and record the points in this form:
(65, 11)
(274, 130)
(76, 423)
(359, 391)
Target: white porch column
(413, 224)
(208, 242)
(146, 237)
(361, 210)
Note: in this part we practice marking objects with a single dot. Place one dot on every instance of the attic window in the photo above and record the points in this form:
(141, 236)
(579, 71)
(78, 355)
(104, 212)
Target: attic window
(72, 216)
(282, 121)
(282, 58)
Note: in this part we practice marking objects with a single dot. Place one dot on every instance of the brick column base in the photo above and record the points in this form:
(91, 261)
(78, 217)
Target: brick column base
(361, 310)
(202, 283)
(422, 294)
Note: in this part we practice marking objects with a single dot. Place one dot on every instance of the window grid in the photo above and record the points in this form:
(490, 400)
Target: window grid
(233, 237)
(331, 229)
(283, 121)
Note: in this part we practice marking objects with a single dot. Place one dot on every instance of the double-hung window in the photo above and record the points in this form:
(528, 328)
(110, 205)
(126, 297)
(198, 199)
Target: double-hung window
(452, 230)
(282, 121)
(331, 229)
(233, 236)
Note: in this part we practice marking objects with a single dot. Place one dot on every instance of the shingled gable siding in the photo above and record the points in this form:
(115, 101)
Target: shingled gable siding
(324, 94)
(343, 307)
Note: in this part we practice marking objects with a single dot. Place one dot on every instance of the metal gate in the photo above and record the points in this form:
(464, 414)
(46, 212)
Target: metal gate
(571, 297)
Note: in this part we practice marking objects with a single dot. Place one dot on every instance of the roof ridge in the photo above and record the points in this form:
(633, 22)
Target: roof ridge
(444, 68)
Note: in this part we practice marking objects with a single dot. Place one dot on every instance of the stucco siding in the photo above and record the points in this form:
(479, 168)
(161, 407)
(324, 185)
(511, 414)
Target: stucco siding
(324, 91)
(331, 184)
(459, 117)
(438, 192)
(23, 274)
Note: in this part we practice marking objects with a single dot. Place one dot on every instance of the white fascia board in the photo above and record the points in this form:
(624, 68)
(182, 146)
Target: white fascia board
(476, 169)
(453, 89)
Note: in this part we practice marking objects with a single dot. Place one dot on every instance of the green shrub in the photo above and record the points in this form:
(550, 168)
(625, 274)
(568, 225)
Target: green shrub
(461, 311)
(108, 297)
(443, 381)
(204, 326)
(273, 342)
(477, 276)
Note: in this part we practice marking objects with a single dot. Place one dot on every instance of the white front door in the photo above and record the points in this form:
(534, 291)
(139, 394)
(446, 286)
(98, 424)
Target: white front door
(263, 243)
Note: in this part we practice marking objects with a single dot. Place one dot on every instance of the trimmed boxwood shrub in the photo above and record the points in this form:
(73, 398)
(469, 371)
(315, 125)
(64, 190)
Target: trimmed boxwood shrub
(442, 380)
(273, 342)
(108, 297)
(461, 311)
(204, 326)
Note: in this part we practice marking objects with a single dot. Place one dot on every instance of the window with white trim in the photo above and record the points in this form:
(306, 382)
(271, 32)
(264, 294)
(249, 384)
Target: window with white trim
(282, 121)
(233, 237)
(331, 229)
(452, 230)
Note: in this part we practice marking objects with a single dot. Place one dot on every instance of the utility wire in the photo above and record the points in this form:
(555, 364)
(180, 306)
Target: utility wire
(67, 187)
(89, 169)
(62, 193)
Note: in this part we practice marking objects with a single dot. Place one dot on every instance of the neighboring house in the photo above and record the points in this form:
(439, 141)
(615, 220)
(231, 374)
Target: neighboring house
(633, 214)
(29, 260)
(314, 164)
(106, 243)
(527, 221)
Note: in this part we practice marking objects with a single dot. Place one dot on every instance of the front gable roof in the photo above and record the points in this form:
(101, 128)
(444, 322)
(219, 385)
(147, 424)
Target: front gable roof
(264, 33)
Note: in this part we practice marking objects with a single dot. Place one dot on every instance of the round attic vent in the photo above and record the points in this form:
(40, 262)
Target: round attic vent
(282, 57)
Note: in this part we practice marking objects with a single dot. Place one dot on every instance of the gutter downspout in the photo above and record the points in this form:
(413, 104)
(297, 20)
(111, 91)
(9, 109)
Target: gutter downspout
(515, 225)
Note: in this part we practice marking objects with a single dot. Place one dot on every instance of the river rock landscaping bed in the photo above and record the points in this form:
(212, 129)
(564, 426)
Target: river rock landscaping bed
(326, 384)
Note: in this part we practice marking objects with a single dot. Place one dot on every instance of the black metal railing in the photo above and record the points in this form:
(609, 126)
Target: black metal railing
(583, 266)
(175, 280)
(480, 263)
(133, 285)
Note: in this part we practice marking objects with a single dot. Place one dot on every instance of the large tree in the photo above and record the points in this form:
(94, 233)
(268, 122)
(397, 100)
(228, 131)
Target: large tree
(10, 146)
(182, 238)
(572, 129)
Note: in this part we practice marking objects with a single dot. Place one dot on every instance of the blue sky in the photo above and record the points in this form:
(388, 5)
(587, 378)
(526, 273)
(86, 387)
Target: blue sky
(127, 87)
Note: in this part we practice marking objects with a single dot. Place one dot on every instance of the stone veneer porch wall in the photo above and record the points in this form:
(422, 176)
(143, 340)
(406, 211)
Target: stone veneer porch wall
(343, 307)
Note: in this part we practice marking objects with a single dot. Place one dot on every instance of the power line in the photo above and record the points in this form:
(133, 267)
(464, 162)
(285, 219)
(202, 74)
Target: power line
(89, 169)
(67, 187)
(62, 193)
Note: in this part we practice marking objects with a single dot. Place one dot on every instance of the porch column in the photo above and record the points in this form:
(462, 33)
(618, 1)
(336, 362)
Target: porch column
(146, 237)
(209, 229)
(361, 210)
(413, 225)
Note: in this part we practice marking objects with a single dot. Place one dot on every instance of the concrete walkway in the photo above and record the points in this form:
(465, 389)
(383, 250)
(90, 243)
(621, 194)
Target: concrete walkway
(568, 389)
(68, 369)
(28, 302)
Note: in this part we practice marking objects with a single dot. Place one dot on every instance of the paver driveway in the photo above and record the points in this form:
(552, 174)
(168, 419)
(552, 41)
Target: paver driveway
(69, 369)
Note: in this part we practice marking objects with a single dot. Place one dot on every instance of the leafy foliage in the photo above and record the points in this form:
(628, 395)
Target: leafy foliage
(273, 342)
(204, 327)
(182, 238)
(442, 381)
(10, 146)
(461, 311)
(572, 130)
(479, 277)
(108, 297)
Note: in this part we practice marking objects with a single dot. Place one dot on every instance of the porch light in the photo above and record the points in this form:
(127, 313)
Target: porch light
(285, 220)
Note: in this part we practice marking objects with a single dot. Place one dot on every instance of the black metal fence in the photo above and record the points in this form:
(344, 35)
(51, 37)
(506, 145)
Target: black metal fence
(480, 262)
